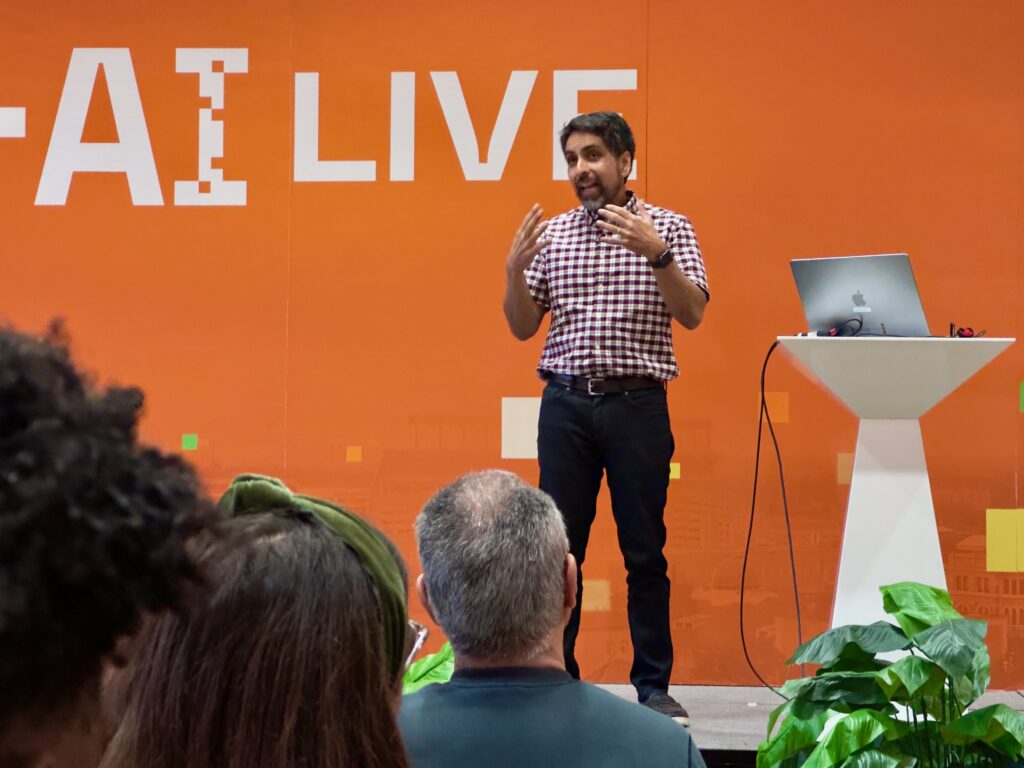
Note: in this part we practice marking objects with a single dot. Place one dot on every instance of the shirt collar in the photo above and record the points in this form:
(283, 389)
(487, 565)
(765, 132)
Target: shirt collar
(517, 675)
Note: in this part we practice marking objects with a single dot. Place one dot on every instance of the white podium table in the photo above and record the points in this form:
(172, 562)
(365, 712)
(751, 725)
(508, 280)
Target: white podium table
(890, 533)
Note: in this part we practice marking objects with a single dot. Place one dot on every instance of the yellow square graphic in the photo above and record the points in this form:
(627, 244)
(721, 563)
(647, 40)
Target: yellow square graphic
(597, 595)
(777, 404)
(354, 453)
(1004, 532)
(673, 471)
(844, 468)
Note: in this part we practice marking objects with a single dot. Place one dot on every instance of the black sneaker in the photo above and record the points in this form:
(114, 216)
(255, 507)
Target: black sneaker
(666, 705)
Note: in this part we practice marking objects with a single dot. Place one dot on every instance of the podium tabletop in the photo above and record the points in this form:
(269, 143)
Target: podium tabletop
(891, 377)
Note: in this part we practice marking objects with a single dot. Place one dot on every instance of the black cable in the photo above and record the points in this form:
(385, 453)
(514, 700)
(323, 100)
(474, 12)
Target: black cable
(765, 415)
(837, 329)
(750, 527)
(785, 512)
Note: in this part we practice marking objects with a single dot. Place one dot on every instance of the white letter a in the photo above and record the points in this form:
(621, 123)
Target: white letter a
(131, 154)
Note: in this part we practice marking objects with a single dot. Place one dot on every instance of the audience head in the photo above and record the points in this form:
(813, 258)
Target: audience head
(293, 659)
(497, 576)
(92, 536)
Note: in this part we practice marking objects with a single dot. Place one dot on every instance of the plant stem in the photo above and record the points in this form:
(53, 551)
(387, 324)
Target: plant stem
(928, 736)
(956, 712)
(945, 719)
(915, 734)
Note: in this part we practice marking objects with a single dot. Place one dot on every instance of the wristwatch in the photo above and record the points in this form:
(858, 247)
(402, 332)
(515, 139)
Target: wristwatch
(663, 261)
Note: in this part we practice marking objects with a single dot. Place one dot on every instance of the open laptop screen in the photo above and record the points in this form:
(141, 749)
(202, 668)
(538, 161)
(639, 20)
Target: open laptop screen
(878, 290)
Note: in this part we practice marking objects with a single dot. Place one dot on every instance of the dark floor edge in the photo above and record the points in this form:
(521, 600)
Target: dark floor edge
(729, 758)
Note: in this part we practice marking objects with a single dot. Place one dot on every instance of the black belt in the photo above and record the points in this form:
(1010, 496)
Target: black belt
(611, 386)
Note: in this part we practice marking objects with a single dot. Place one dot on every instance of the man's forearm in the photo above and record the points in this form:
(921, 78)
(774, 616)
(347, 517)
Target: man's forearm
(521, 311)
(684, 300)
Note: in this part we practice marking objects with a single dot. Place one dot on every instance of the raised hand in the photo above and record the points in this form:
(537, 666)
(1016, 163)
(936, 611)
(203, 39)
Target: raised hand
(631, 230)
(527, 242)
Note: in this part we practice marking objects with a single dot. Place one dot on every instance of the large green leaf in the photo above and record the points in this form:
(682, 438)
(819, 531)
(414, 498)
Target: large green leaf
(970, 686)
(850, 642)
(435, 668)
(911, 678)
(979, 674)
(795, 734)
(854, 732)
(791, 688)
(998, 726)
(876, 758)
(796, 760)
(796, 708)
(782, 711)
(916, 606)
(844, 691)
(953, 644)
(854, 660)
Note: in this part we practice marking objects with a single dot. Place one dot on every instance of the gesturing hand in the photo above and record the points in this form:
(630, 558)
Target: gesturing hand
(527, 243)
(630, 230)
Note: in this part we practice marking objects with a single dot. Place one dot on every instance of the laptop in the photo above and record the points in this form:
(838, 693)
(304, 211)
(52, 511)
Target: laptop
(860, 295)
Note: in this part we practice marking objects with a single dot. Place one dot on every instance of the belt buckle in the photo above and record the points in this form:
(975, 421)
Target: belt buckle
(590, 387)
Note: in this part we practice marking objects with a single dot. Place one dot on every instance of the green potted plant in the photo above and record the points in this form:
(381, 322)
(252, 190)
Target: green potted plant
(862, 711)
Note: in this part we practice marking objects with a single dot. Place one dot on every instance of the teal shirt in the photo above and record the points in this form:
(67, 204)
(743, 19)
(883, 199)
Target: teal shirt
(536, 717)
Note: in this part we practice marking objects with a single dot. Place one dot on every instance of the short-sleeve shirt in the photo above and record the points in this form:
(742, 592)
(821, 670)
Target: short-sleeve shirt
(607, 316)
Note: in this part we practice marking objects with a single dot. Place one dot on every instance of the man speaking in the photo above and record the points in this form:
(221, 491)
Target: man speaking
(613, 272)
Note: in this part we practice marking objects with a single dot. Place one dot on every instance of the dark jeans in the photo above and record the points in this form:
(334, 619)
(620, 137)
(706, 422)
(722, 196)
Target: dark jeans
(628, 436)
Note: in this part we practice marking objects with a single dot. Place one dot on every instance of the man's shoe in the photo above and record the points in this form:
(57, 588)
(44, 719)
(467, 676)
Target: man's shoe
(666, 705)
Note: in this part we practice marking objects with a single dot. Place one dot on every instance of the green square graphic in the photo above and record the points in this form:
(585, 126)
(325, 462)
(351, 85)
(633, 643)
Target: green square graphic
(1022, 397)
(189, 442)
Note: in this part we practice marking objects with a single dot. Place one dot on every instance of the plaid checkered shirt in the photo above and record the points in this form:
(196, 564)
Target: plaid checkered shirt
(607, 315)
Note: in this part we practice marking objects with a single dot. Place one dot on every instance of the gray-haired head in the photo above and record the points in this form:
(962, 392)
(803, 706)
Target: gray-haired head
(493, 550)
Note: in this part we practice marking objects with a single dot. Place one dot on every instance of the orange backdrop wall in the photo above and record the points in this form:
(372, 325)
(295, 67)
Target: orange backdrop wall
(348, 335)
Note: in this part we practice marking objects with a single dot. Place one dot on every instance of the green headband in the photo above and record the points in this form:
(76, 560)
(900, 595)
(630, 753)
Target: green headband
(249, 494)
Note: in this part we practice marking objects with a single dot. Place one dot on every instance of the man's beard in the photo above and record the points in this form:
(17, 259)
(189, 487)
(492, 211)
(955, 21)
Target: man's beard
(599, 201)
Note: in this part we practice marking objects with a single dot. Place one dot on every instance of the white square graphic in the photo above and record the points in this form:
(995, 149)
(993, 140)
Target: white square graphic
(519, 427)
(12, 122)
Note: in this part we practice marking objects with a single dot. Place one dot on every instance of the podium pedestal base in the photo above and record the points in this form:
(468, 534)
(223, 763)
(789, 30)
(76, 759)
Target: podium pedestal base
(890, 533)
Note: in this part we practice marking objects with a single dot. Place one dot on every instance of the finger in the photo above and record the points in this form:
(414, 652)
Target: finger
(626, 215)
(613, 216)
(535, 235)
(608, 226)
(532, 216)
(533, 250)
(534, 221)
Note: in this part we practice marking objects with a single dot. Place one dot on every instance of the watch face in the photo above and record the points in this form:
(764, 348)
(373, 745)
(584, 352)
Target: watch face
(662, 261)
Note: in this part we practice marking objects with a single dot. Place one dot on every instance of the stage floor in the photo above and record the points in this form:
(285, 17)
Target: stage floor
(726, 717)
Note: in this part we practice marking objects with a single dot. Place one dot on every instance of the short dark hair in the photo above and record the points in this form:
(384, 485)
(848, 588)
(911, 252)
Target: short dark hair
(285, 663)
(610, 126)
(92, 524)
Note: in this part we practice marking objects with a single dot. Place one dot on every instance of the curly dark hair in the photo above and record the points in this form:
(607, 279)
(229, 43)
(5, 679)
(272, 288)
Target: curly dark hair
(92, 524)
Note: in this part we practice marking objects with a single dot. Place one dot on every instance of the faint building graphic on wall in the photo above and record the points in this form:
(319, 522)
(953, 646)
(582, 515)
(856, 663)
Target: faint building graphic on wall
(998, 598)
